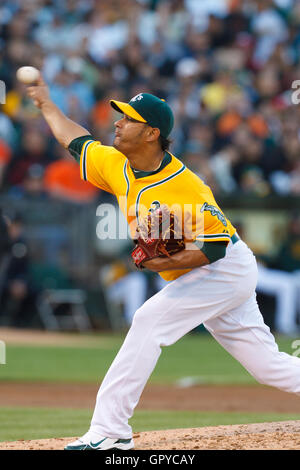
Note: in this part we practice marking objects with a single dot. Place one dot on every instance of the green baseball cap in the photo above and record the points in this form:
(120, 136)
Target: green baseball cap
(149, 109)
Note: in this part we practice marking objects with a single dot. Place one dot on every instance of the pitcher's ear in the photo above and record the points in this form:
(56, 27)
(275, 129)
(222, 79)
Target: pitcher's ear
(153, 134)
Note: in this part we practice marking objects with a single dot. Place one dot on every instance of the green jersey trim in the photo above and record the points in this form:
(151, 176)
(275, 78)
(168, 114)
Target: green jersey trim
(84, 166)
(126, 177)
(142, 174)
(127, 183)
(76, 145)
(214, 236)
(212, 251)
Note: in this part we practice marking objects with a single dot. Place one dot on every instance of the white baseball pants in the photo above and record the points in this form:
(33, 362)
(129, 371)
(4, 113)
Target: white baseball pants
(220, 295)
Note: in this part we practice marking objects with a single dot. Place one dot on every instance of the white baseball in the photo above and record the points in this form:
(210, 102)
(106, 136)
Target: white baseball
(28, 75)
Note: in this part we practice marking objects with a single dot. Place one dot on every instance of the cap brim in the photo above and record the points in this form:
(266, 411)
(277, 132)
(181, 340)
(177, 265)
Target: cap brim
(125, 108)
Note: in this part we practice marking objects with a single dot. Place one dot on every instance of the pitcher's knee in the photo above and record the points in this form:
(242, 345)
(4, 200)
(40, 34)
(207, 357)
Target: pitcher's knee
(144, 317)
(283, 374)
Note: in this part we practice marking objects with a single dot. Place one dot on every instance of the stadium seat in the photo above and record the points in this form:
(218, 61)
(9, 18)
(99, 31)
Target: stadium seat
(63, 309)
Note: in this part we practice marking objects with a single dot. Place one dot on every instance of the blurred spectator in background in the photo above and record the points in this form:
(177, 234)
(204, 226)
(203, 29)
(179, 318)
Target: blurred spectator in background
(5, 156)
(33, 150)
(281, 278)
(17, 301)
(282, 286)
(222, 167)
(5, 245)
(288, 255)
(227, 66)
(32, 187)
(126, 290)
(70, 93)
(4, 238)
(197, 159)
(62, 181)
(269, 28)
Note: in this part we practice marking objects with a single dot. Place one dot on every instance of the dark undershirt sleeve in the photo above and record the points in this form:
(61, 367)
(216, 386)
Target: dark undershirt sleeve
(212, 250)
(75, 147)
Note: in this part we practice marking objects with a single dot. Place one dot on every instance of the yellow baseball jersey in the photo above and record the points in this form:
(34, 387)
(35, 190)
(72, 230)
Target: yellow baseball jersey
(175, 185)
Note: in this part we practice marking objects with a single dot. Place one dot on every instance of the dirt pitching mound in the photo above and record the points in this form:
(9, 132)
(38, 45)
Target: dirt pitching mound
(283, 435)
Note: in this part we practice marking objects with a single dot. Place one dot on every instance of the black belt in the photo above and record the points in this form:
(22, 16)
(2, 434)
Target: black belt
(235, 238)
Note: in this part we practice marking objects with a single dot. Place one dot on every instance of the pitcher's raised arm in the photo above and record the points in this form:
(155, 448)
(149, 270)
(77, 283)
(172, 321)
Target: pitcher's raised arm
(64, 129)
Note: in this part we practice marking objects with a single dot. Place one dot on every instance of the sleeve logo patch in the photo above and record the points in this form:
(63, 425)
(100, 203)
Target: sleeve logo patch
(214, 212)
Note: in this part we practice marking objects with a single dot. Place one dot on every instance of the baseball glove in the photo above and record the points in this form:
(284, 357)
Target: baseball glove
(157, 236)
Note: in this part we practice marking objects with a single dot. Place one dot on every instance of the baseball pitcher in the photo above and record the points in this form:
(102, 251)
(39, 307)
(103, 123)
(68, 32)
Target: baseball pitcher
(211, 272)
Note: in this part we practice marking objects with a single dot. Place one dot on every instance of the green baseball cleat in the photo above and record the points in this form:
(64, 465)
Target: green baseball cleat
(92, 441)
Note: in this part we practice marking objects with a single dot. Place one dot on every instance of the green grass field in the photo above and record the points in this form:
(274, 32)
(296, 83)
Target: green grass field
(196, 355)
(39, 423)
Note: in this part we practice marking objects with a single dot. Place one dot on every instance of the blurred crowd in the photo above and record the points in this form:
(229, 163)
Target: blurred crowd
(228, 69)
(225, 66)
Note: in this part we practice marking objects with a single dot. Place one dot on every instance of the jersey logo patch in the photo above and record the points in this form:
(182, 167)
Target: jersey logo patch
(214, 212)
